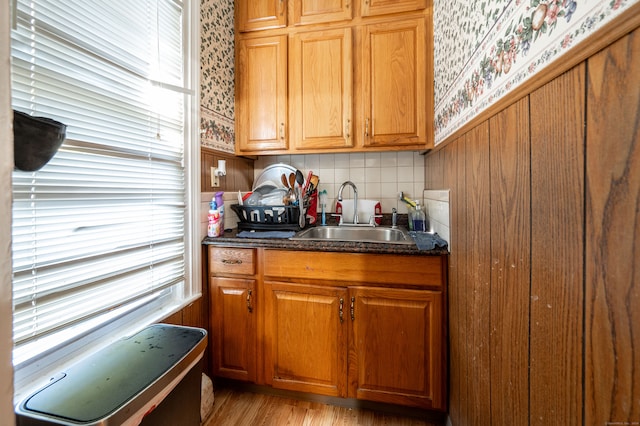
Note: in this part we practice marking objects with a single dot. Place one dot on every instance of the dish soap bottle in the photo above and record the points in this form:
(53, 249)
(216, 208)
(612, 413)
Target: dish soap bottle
(419, 218)
(220, 203)
(213, 228)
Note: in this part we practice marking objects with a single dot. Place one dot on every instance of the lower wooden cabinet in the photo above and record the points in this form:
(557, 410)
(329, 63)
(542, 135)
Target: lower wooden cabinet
(233, 328)
(233, 313)
(353, 325)
(305, 338)
(396, 346)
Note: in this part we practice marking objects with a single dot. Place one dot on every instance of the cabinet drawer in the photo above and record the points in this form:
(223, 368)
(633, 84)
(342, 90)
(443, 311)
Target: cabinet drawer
(228, 260)
(388, 269)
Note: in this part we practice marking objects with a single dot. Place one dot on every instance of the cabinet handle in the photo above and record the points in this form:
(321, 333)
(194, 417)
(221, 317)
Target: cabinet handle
(347, 129)
(281, 7)
(282, 131)
(341, 310)
(366, 127)
(232, 261)
(353, 309)
(249, 307)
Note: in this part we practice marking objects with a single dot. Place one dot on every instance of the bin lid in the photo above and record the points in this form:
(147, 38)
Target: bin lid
(112, 378)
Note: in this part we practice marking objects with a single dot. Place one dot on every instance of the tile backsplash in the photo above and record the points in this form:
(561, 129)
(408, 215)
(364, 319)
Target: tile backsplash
(437, 210)
(377, 175)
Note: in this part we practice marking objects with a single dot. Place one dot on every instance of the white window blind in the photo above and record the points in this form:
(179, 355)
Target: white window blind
(100, 230)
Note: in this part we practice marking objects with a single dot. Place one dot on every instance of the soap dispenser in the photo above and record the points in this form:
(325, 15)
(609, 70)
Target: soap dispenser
(418, 218)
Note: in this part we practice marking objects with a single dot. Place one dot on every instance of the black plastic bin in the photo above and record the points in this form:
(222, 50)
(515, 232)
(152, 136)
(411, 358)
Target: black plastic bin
(150, 378)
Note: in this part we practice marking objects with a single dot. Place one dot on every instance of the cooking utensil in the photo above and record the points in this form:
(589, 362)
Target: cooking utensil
(289, 198)
(307, 182)
(301, 220)
(292, 180)
(299, 178)
(314, 180)
(283, 178)
(314, 183)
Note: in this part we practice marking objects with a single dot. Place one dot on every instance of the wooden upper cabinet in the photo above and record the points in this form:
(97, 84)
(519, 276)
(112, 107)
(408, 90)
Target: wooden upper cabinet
(261, 14)
(394, 78)
(261, 95)
(319, 11)
(381, 7)
(320, 89)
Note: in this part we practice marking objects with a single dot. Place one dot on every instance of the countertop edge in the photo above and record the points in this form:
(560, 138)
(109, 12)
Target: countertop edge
(231, 240)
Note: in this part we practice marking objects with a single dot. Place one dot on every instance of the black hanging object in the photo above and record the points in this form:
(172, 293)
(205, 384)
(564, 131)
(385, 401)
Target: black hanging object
(35, 140)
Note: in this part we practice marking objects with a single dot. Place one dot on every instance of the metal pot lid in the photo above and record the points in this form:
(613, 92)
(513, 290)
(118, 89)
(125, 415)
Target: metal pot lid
(271, 175)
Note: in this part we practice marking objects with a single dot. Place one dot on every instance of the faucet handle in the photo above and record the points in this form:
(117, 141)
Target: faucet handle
(372, 219)
(338, 215)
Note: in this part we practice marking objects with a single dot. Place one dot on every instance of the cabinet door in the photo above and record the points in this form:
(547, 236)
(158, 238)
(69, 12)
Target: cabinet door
(261, 14)
(233, 328)
(317, 11)
(320, 91)
(380, 7)
(306, 338)
(394, 83)
(397, 347)
(261, 95)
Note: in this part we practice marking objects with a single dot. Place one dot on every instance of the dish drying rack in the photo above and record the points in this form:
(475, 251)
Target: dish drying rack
(268, 218)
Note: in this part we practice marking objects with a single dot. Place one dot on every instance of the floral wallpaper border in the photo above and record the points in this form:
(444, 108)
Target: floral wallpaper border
(527, 37)
(217, 86)
(217, 131)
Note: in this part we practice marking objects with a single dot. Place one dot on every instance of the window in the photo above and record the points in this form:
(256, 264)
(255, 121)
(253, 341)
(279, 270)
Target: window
(103, 234)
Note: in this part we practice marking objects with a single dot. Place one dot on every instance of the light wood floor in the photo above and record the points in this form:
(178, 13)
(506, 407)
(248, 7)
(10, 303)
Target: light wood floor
(239, 408)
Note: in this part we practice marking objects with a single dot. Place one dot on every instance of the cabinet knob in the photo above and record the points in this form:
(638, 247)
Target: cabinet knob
(341, 310)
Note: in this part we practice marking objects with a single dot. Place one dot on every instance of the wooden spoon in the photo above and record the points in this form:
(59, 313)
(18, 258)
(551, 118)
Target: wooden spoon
(314, 182)
(292, 180)
(283, 178)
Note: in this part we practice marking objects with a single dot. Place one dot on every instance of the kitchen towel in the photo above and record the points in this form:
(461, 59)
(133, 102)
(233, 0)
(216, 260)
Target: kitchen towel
(266, 234)
(427, 241)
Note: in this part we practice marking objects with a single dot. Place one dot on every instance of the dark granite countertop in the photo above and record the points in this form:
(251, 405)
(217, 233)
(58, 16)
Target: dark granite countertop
(230, 239)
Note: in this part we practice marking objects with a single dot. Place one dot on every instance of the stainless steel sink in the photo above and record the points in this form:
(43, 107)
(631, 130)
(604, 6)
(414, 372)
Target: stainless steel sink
(355, 233)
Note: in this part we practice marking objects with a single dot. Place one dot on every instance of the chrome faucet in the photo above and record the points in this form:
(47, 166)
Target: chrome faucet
(355, 198)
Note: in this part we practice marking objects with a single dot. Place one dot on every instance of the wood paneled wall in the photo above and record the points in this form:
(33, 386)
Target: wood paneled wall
(193, 315)
(196, 314)
(239, 171)
(544, 282)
